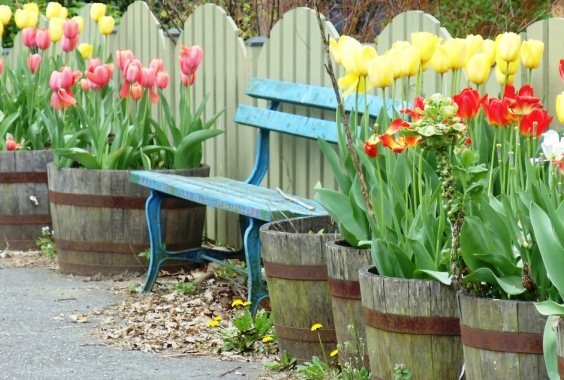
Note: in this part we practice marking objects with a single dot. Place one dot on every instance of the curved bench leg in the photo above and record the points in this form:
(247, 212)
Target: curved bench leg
(251, 241)
(153, 214)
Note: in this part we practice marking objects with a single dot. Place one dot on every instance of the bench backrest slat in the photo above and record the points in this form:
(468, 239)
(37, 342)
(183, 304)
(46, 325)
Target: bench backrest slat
(286, 123)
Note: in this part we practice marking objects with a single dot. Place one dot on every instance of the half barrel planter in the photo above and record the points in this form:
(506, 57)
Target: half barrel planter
(343, 265)
(410, 322)
(559, 329)
(295, 264)
(502, 339)
(99, 220)
(24, 208)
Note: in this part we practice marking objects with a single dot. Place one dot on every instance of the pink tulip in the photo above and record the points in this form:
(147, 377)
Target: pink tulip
(70, 29)
(33, 62)
(61, 83)
(123, 57)
(1, 66)
(132, 71)
(190, 59)
(157, 64)
(147, 77)
(28, 37)
(188, 80)
(42, 39)
(98, 75)
(68, 44)
(162, 79)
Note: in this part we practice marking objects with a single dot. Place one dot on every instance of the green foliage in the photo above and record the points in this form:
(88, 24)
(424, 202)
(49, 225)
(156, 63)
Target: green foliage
(316, 369)
(401, 372)
(184, 288)
(285, 362)
(248, 333)
(45, 243)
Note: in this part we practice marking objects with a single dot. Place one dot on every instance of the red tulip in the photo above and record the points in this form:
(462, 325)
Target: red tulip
(417, 110)
(561, 69)
(497, 111)
(68, 44)
(535, 123)
(468, 101)
(10, 143)
(98, 75)
(33, 62)
(1, 66)
(371, 146)
(61, 83)
(162, 79)
(147, 77)
(522, 102)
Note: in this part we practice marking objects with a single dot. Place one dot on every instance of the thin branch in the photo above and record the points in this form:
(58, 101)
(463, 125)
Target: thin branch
(344, 120)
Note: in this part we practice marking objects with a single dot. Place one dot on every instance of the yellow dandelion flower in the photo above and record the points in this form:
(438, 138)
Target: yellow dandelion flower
(334, 353)
(267, 339)
(213, 323)
(247, 303)
(236, 303)
(217, 318)
(316, 327)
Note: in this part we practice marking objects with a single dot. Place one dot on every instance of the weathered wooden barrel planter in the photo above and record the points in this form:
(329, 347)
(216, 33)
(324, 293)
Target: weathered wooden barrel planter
(24, 208)
(295, 264)
(501, 339)
(343, 264)
(410, 322)
(99, 220)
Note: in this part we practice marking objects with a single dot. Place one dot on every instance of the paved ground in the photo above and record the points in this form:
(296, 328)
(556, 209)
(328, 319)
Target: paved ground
(40, 340)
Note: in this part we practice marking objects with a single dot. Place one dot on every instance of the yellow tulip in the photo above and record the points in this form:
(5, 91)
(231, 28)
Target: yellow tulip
(1, 30)
(560, 107)
(507, 46)
(380, 72)
(85, 50)
(63, 13)
(410, 61)
(80, 21)
(97, 11)
(56, 29)
(502, 78)
(531, 53)
(489, 50)
(474, 44)
(456, 52)
(5, 14)
(425, 42)
(31, 7)
(478, 68)
(394, 55)
(21, 18)
(343, 49)
(362, 56)
(106, 25)
(508, 67)
(440, 61)
(53, 10)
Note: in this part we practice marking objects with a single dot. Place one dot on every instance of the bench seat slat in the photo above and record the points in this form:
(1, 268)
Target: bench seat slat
(227, 194)
(286, 123)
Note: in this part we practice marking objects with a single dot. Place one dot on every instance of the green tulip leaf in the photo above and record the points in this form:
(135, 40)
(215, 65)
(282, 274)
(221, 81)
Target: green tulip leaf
(511, 285)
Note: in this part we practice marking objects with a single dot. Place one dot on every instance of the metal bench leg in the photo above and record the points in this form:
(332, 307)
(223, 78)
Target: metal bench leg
(153, 214)
(251, 241)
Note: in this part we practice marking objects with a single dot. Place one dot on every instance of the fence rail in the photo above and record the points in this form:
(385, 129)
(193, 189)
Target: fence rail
(293, 52)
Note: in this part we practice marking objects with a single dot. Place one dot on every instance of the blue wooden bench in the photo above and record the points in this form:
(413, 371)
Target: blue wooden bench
(256, 205)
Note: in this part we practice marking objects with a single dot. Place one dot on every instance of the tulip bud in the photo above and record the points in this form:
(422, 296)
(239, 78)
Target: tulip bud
(425, 42)
(1, 30)
(503, 78)
(31, 7)
(28, 37)
(380, 73)
(136, 91)
(42, 39)
(97, 11)
(68, 44)
(85, 50)
(531, 53)
(21, 17)
(440, 61)
(106, 25)
(489, 50)
(147, 77)
(70, 29)
(411, 60)
(162, 79)
(508, 67)
(33, 62)
(10, 143)
(5, 14)
(56, 29)
(455, 49)
(560, 107)
(156, 64)
(478, 68)
(1, 66)
(474, 44)
(53, 10)
(507, 46)
(362, 56)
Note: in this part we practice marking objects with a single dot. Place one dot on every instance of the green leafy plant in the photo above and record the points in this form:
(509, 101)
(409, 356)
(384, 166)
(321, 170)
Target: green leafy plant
(285, 362)
(401, 372)
(185, 288)
(248, 333)
(45, 242)
(352, 352)
(319, 368)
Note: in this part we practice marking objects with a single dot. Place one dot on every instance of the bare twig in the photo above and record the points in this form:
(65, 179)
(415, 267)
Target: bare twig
(344, 121)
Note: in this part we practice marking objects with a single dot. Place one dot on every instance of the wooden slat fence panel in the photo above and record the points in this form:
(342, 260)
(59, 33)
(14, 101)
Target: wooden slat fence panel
(293, 52)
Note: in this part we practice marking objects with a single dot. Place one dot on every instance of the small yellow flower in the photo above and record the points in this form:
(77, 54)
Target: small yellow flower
(217, 318)
(267, 339)
(85, 50)
(97, 11)
(236, 303)
(213, 323)
(316, 327)
(106, 25)
(247, 303)
(334, 353)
